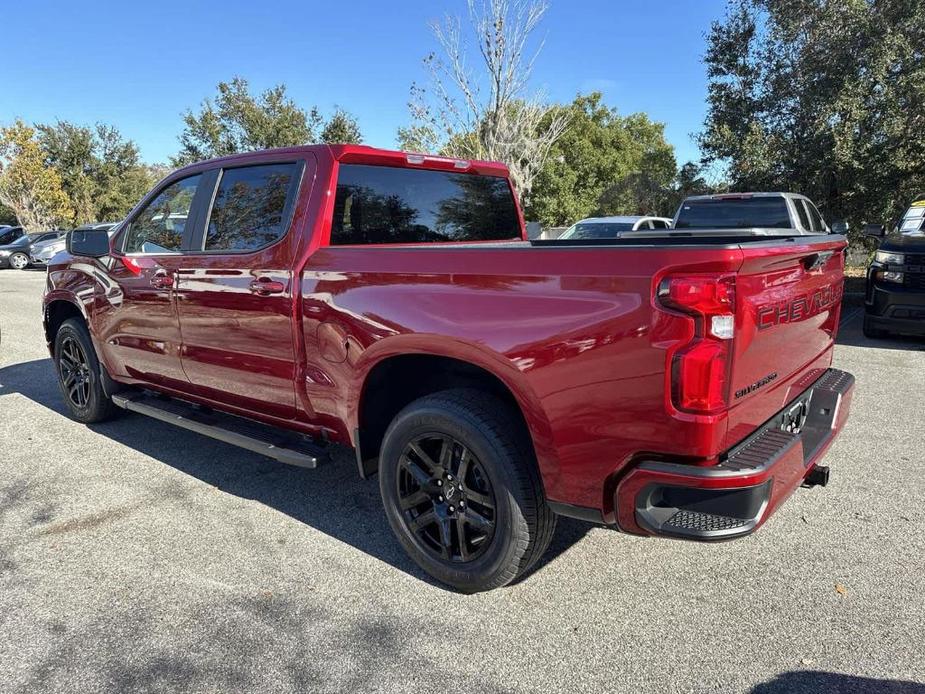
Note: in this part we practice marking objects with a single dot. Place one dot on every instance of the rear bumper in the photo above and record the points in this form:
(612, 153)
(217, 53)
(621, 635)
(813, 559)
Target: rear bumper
(755, 477)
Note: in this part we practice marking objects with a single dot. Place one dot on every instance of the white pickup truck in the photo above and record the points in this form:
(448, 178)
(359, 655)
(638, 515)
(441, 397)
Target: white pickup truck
(768, 214)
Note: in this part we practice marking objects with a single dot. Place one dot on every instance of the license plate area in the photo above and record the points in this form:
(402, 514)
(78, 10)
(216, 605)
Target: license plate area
(794, 417)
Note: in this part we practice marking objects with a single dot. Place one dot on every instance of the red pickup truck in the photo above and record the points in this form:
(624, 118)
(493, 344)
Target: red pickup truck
(282, 300)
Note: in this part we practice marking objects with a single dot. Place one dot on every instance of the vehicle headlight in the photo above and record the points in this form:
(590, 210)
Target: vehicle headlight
(888, 258)
(4, 254)
(896, 277)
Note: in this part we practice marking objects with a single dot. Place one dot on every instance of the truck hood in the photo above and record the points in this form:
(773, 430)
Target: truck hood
(904, 243)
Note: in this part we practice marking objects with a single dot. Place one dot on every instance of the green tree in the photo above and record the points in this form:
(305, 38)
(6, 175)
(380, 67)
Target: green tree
(238, 121)
(821, 97)
(100, 170)
(341, 128)
(32, 190)
(7, 216)
(603, 163)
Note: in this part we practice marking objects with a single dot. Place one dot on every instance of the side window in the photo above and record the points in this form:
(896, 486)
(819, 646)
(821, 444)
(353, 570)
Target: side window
(802, 213)
(815, 217)
(159, 227)
(382, 204)
(250, 208)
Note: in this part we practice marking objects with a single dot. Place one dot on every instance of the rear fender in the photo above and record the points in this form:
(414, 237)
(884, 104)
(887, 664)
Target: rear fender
(477, 355)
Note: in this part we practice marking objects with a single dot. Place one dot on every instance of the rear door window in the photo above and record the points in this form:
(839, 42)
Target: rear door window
(381, 205)
(800, 205)
(160, 225)
(252, 207)
(765, 212)
(815, 218)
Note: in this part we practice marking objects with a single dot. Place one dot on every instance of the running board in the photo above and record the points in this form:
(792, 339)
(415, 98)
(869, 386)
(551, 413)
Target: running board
(286, 447)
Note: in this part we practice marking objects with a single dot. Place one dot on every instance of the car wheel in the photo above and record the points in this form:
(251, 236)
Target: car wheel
(19, 261)
(79, 374)
(462, 492)
(872, 332)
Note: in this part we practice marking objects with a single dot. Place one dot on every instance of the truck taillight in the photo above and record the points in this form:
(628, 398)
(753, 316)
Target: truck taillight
(700, 369)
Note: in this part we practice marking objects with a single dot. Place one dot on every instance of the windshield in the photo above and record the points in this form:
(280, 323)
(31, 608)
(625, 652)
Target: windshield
(23, 241)
(912, 221)
(596, 230)
(738, 213)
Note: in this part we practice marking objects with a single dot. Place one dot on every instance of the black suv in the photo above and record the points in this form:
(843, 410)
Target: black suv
(895, 298)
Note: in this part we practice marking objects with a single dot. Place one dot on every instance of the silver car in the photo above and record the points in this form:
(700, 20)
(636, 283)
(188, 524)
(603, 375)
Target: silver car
(613, 227)
(41, 253)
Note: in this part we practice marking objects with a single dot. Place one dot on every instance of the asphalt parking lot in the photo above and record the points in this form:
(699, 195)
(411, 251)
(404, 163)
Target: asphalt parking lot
(138, 557)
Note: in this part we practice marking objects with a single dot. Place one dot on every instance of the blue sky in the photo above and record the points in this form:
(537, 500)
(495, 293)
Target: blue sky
(139, 66)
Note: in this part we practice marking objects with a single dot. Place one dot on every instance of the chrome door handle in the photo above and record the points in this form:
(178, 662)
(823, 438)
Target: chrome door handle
(161, 280)
(264, 286)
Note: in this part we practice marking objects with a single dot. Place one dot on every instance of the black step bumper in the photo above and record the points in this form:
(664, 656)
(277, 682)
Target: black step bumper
(753, 479)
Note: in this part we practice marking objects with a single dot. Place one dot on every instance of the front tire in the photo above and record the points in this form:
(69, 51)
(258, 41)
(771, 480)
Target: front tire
(80, 375)
(462, 492)
(19, 261)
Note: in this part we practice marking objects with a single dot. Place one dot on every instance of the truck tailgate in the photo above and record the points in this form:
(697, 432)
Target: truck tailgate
(788, 301)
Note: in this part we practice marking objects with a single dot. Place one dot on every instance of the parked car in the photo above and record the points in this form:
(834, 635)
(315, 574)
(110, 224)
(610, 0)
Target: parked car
(771, 214)
(612, 227)
(895, 297)
(16, 254)
(10, 234)
(392, 303)
(43, 251)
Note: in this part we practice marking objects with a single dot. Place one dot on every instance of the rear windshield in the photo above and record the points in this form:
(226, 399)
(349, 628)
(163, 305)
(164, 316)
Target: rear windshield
(596, 230)
(742, 213)
(380, 204)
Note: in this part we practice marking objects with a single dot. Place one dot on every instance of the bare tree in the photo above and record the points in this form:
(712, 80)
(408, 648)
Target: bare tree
(489, 113)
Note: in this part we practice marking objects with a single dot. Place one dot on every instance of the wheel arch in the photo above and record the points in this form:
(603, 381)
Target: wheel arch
(57, 310)
(400, 372)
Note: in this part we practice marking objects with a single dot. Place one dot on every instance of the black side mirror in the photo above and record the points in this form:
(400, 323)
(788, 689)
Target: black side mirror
(91, 243)
(840, 227)
(878, 231)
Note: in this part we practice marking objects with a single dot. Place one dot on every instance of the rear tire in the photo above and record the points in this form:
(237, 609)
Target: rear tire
(19, 261)
(80, 374)
(871, 332)
(462, 492)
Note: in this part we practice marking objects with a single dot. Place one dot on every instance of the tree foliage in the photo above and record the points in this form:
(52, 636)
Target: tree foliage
(238, 121)
(7, 216)
(30, 189)
(100, 170)
(487, 113)
(341, 128)
(824, 97)
(603, 163)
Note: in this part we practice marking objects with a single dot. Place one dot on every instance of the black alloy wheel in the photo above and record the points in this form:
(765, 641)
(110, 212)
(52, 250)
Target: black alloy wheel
(446, 498)
(80, 374)
(461, 489)
(75, 372)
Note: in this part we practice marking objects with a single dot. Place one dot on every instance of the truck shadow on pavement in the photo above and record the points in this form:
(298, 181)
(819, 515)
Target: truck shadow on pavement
(819, 682)
(331, 498)
(850, 333)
